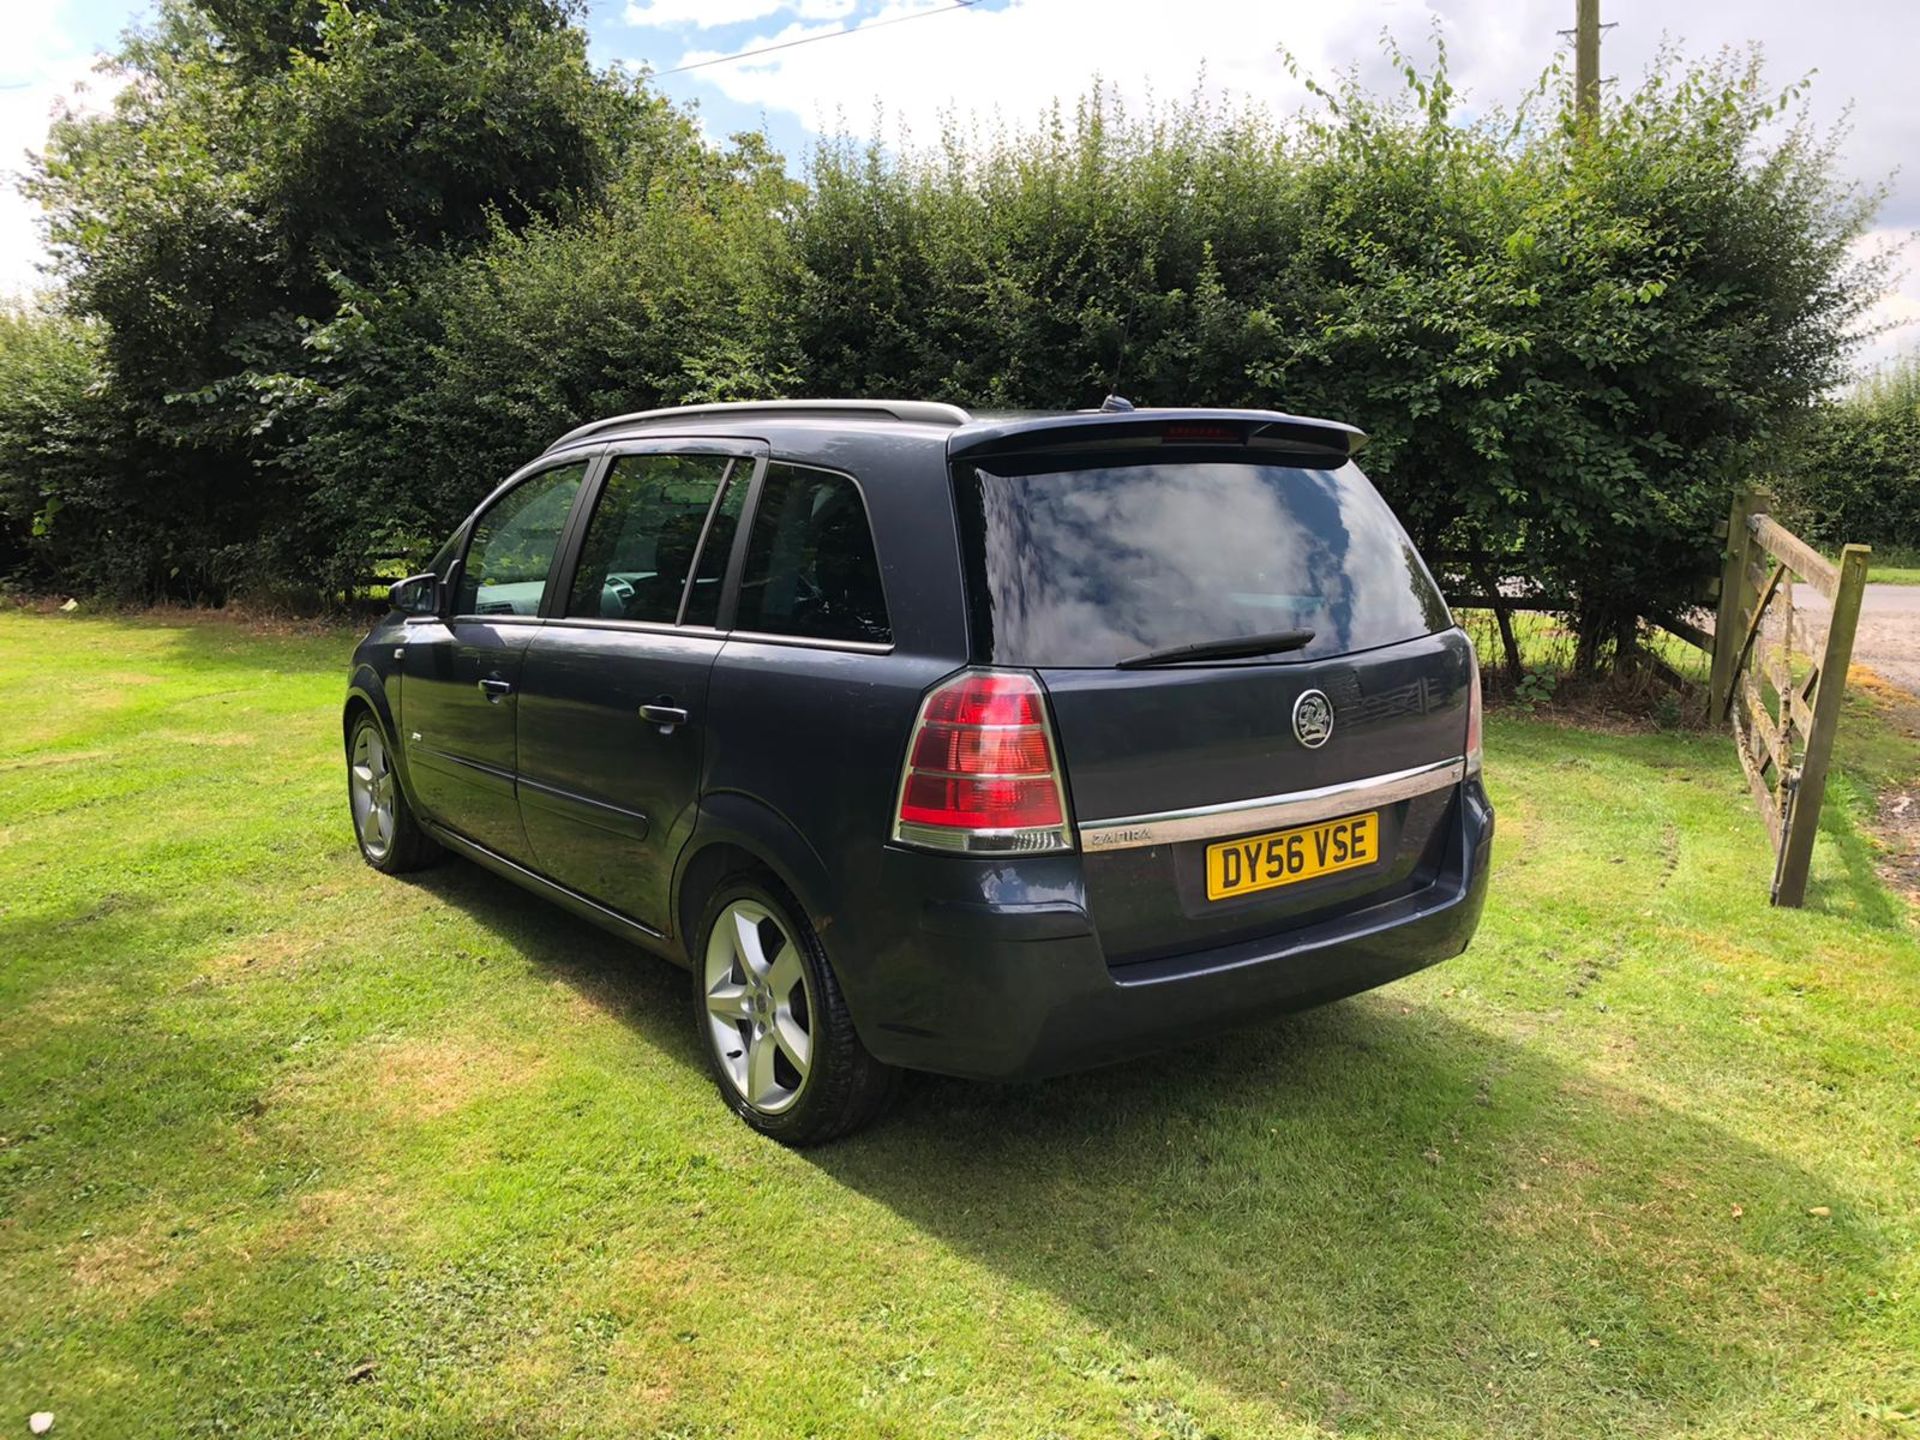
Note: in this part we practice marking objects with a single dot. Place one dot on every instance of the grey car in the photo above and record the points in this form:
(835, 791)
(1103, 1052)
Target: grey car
(998, 746)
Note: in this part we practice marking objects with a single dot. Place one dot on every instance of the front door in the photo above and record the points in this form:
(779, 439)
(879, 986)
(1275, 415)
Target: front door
(460, 694)
(614, 687)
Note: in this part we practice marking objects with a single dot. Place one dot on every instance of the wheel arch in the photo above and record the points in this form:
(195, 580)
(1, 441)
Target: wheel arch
(736, 832)
(365, 694)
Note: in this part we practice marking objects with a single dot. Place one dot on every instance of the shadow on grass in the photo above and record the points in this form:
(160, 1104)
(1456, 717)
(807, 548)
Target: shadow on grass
(645, 992)
(1858, 894)
(199, 641)
(1371, 1215)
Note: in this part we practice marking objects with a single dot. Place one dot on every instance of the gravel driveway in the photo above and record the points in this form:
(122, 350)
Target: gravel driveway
(1888, 641)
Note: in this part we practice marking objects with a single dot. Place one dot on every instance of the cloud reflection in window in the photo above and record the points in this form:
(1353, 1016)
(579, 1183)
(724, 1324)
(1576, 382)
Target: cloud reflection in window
(1085, 567)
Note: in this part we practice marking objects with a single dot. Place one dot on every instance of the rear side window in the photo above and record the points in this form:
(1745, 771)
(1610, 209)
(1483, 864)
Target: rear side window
(643, 536)
(811, 568)
(1084, 567)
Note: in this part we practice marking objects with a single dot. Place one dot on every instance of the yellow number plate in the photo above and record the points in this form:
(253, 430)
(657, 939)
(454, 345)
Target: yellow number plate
(1260, 862)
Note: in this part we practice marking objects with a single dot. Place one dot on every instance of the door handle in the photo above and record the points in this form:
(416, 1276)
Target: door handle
(495, 689)
(664, 715)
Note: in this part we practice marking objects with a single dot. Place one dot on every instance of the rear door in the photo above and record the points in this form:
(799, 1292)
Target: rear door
(613, 693)
(458, 701)
(1222, 799)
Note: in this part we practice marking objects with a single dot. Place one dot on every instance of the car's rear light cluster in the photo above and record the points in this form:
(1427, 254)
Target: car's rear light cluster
(983, 774)
(1474, 711)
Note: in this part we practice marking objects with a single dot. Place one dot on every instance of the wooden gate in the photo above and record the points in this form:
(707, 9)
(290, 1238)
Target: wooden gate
(1778, 682)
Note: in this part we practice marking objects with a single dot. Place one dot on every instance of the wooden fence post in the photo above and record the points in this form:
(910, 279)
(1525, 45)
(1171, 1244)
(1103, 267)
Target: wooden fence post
(1726, 625)
(1803, 820)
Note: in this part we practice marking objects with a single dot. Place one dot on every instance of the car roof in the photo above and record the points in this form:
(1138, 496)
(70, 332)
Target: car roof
(827, 430)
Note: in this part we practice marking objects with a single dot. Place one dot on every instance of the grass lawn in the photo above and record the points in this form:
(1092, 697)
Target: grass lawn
(1894, 566)
(287, 1148)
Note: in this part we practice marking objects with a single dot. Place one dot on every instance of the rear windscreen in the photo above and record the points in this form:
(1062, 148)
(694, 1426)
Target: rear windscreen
(1091, 565)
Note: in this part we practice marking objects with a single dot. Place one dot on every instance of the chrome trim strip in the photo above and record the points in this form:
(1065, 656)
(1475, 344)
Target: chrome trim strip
(1006, 844)
(809, 642)
(635, 627)
(709, 632)
(1241, 817)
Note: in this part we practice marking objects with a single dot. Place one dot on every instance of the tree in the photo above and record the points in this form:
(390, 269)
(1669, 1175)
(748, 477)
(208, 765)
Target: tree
(429, 393)
(63, 443)
(264, 155)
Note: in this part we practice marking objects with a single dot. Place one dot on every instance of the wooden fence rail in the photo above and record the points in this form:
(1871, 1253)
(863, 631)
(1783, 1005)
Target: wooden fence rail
(1780, 685)
(1483, 582)
(1775, 679)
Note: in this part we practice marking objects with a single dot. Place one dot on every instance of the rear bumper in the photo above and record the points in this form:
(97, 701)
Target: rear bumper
(1008, 981)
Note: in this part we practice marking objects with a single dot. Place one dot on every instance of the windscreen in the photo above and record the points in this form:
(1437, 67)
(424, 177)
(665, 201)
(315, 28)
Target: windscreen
(1090, 565)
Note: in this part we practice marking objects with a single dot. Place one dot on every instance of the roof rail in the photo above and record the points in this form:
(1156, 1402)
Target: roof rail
(921, 412)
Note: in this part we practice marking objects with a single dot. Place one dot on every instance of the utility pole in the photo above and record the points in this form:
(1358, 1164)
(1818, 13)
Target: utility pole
(1586, 62)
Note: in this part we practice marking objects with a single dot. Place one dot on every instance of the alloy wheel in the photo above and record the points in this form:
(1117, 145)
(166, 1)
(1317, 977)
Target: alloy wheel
(759, 1005)
(370, 783)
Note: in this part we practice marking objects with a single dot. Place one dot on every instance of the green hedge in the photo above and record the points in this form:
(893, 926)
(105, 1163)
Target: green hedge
(1855, 476)
(1568, 345)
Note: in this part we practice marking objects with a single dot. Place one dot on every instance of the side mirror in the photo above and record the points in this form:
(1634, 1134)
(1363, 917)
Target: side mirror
(416, 595)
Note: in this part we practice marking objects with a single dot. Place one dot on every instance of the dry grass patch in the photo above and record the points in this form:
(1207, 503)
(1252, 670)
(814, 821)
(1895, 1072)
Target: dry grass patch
(124, 1270)
(275, 950)
(71, 1004)
(348, 1212)
(400, 1083)
(418, 1080)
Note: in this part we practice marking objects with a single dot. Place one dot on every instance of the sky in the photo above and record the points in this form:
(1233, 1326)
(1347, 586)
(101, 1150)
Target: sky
(1007, 60)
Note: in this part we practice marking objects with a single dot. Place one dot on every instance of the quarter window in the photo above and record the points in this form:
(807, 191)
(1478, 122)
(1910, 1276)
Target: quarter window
(703, 596)
(811, 568)
(644, 535)
(513, 545)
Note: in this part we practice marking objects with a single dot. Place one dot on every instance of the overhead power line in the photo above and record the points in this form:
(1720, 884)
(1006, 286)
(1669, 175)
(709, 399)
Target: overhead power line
(811, 39)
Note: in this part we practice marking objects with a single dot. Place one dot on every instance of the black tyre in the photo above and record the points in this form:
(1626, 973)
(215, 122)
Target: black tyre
(391, 840)
(773, 1022)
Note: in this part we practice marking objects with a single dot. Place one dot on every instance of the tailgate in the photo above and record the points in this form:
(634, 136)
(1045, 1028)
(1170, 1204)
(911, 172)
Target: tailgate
(1318, 741)
(1161, 772)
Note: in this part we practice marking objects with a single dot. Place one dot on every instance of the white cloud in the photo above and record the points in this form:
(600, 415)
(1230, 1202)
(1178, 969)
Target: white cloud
(1015, 61)
(706, 14)
(712, 14)
(1899, 309)
(42, 66)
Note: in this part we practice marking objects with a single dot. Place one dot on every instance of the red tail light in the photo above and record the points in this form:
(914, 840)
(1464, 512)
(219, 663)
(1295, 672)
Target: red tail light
(983, 774)
(1474, 712)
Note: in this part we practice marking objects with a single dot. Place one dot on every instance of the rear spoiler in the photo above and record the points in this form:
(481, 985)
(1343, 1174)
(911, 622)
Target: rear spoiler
(1154, 429)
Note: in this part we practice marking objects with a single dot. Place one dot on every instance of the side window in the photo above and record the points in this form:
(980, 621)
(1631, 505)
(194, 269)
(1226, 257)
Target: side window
(643, 536)
(811, 568)
(703, 597)
(513, 545)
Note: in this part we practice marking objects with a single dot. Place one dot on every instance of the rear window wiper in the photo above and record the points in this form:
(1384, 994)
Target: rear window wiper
(1274, 642)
